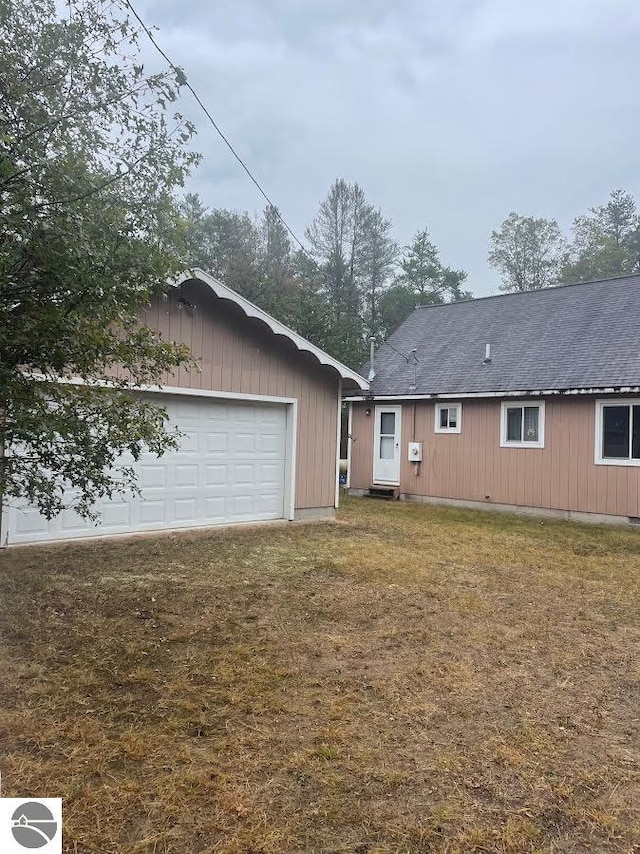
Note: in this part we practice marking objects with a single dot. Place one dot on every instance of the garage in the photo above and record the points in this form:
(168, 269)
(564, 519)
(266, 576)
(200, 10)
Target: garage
(258, 410)
(234, 464)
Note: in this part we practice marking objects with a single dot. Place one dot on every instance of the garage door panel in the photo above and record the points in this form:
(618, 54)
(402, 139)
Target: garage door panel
(270, 475)
(28, 521)
(186, 476)
(184, 410)
(186, 509)
(152, 512)
(244, 445)
(71, 523)
(215, 444)
(229, 466)
(243, 474)
(152, 476)
(216, 476)
(214, 508)
(188, 441)
(268, 504)
(116, 515)
(241, 505)
(245, 414)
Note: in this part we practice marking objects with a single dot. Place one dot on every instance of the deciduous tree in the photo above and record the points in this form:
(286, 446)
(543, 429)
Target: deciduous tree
(91, 151)
(528, 252)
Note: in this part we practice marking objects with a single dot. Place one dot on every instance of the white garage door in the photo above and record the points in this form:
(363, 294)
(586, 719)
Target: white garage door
(230, 467)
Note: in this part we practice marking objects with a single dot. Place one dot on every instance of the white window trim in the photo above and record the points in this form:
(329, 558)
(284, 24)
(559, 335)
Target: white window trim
(448, 405)
(600, 404)
(518, 404)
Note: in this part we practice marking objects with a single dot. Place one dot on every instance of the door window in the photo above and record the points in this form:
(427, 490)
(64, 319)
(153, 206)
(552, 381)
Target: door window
(387, 435)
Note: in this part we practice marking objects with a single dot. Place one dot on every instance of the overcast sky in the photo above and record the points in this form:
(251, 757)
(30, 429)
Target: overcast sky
(449, 113)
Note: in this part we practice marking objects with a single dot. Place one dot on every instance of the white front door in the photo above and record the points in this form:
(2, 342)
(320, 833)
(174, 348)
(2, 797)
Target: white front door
(386, 445)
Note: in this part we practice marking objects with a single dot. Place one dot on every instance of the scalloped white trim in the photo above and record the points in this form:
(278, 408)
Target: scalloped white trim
(251, 310)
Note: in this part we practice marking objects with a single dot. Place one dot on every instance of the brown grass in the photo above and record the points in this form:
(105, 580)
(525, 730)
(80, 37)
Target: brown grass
(407, 680)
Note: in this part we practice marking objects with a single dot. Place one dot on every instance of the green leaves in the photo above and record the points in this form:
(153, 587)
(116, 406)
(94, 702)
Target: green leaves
(356, 254)
(606, 241)
(348, 291)
(532, 253)
(528, 252)
(89, 164)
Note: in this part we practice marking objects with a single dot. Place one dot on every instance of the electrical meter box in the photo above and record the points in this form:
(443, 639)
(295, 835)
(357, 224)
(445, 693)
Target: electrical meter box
(415, 452)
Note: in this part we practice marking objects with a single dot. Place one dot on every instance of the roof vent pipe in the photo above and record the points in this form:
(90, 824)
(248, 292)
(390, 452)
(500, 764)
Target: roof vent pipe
(372, 347)
(414, 383)
(487, 354)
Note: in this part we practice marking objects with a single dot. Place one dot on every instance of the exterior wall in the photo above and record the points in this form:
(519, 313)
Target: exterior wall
(237, 354)
(471, 466)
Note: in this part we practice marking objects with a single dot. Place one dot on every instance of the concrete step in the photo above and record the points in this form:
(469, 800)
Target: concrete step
(386, 492)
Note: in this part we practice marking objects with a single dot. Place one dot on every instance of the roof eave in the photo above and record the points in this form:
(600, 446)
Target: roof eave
(253, 311)
(544, 392)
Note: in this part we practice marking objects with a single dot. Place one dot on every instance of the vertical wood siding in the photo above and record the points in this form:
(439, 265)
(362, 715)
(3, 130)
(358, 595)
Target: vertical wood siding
(235, 354)
(472, 466)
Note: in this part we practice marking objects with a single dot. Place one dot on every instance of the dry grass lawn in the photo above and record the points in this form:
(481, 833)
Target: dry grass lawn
(410, 679)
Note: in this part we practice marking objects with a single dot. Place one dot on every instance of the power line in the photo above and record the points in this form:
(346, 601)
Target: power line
(406, 358)
(182, 75)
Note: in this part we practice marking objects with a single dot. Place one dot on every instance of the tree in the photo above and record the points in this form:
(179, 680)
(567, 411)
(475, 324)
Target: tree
(276, 246)
(606, 242)
(378, 260)
(424, 274)
(396, 304)
(336, 236)
(90, 155)
(226, 244)
(311, 313)
(423, 280)
(279, 293)
(528, 252)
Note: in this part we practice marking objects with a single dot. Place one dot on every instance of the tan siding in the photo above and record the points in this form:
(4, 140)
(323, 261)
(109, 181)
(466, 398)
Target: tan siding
(472, 465)
(236, 354)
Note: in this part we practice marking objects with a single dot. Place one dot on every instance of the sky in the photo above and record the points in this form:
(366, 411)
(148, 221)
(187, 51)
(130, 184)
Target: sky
(449, 113)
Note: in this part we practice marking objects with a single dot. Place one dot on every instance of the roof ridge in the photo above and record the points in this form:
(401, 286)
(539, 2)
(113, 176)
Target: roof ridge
(533, 291)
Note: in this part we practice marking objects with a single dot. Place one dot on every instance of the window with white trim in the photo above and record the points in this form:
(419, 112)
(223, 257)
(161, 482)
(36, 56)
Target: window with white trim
(618, 432)
(448, 418)
(522, 424)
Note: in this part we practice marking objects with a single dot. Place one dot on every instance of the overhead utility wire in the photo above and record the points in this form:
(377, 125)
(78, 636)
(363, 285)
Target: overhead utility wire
(226, 141)
(219, 131)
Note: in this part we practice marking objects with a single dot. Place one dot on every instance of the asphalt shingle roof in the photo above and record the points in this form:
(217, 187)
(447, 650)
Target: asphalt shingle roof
(570, 337)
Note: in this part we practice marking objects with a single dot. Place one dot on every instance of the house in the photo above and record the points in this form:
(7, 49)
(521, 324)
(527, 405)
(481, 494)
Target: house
(525, 401)
(260, 421)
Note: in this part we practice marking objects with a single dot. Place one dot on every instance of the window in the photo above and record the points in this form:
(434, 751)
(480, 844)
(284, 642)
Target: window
(618, 432)
(387, 435)
(522, 425)
(448, 418)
